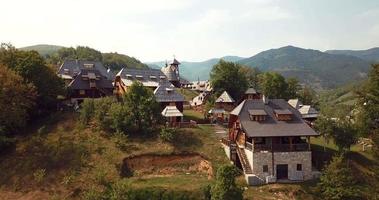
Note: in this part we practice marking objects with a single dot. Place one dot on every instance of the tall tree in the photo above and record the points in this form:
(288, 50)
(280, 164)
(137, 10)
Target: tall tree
(273, 85)
(308, 96)
(367, 118)
(228, 76)
(32, 67)
(143, 109)
(252, 75)
(16, 99)
(293, 87)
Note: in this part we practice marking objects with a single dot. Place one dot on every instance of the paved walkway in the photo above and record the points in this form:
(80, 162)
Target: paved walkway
(220, 131)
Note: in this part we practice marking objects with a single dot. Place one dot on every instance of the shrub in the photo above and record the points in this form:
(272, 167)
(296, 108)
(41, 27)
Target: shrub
(167, 134)
(337, 182)
(225, 187)
(6, 142)
(87, 111)
(121, 140)
(39, 175)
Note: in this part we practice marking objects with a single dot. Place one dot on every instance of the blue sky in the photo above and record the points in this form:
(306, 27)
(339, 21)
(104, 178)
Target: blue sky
(193, 30)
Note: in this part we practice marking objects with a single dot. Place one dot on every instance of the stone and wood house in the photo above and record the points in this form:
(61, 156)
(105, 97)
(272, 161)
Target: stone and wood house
(270, 141)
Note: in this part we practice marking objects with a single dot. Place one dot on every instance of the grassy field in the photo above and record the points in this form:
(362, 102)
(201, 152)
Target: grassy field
(62, 159)
(188, 94)
(190, 114)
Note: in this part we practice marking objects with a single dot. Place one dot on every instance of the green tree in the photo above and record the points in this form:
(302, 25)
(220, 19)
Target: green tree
(117, 61)
(293, 87)
(273, 85)
(308, 96)
(252, 75)
(87, 111)
(143, 109)
(17, 98)
(228, 76)
(225, 187)
(325, 126)
(344, 135)
(337, 182)
(32, 67)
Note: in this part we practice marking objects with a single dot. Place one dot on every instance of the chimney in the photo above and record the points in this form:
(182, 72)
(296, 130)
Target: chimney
(265, 99)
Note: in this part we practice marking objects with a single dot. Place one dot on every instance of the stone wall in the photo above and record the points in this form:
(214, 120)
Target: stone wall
(289, 158)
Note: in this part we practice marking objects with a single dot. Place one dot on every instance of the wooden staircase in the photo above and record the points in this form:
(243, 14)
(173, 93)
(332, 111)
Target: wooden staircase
(244, 161)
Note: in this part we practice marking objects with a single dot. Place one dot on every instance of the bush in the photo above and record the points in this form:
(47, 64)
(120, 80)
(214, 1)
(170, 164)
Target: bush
(87, 111)
(167, 134)
(225, 187)
(6, 143)
(121, 140)
(39, 175)
(337, 182)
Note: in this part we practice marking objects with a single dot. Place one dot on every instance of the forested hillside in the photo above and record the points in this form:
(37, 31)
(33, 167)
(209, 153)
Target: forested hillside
(370, 55)
(56, 54)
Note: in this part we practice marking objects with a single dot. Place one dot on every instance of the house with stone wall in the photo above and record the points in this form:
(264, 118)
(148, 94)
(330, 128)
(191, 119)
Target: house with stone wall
(270, 141)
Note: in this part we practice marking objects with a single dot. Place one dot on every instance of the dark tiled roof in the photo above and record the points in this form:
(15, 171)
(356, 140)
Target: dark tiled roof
(257, 112)
(251, 91)
(73, 67)
(271, 127)
(80, 84)
(148, 77)
(171, 74)
(175, 62)
(167, 93)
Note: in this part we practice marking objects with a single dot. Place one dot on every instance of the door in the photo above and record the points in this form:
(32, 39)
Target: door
(282, 171)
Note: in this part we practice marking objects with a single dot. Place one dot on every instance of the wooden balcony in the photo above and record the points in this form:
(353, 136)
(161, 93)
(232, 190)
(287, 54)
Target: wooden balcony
(225, 141)
(277, 147)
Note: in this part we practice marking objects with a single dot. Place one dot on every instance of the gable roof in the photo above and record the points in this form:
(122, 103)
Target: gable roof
(251, 91)
(271, 127)
(148, 77)
(225, 98)
(166, 92)
(296, 103)
(171, 111)
(73, 67)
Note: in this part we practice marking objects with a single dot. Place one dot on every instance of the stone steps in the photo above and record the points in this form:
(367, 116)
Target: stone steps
(244, 161)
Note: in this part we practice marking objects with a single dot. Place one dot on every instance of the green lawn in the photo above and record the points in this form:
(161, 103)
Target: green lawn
(193, 115)
(188, 94)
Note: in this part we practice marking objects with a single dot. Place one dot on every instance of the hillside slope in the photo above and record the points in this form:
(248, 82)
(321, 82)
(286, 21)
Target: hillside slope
(43, 49)
(370, 55)
(313, 67)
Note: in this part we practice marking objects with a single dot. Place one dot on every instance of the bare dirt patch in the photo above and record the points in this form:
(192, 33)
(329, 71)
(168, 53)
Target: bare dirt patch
(166, 165)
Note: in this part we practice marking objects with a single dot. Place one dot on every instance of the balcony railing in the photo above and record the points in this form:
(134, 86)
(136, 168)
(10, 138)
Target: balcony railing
(277, 147)
(225, 141)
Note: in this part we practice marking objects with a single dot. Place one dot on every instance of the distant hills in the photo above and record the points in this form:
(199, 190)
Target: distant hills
(371, 55)
(43, 49)
(114, 61)
(319, 69)
(196, 70)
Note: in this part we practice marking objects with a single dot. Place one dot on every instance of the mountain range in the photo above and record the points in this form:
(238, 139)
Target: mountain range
(321, 70)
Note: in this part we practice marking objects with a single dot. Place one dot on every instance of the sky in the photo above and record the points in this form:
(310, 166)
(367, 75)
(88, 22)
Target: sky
(192, 30)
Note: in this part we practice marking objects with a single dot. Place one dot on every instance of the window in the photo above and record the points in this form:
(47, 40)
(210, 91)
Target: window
(82, 92)
(299, 167)
(265, 168)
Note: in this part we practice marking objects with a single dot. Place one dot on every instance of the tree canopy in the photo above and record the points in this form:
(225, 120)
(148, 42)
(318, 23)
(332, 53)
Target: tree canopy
(16, 100)
(33, 69)
(228, 76)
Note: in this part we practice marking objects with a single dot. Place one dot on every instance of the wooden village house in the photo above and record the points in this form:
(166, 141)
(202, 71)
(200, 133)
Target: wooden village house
(86, 79)
(223, 105)
(270, 141)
